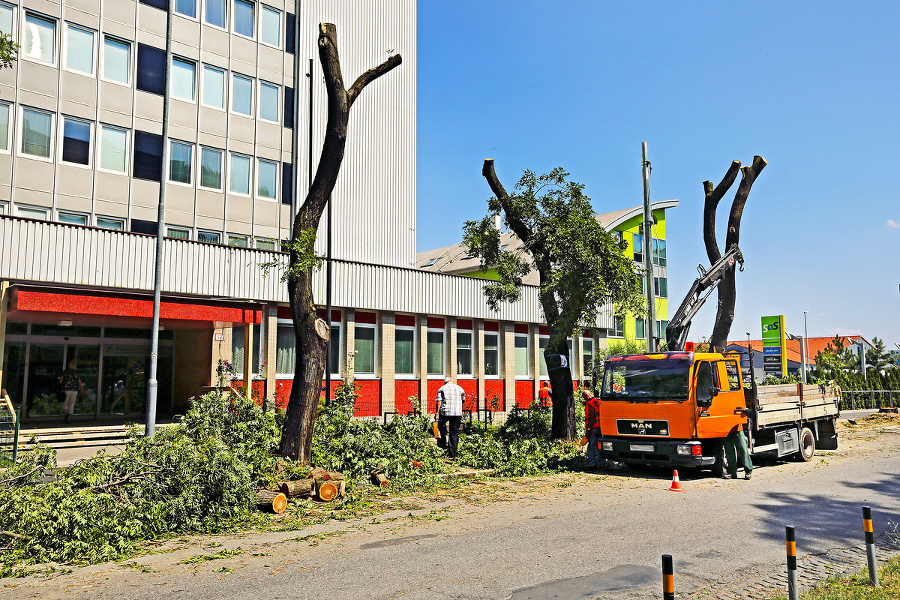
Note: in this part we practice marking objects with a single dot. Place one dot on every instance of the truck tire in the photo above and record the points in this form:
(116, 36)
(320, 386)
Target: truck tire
(807, 445)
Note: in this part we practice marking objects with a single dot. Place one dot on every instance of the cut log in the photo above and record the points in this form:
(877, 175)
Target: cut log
(302, 488)
(271, 501)
(320, 473)
(380, 480)
(326, 491)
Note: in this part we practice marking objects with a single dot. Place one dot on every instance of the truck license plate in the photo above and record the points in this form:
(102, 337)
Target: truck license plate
(641, 447)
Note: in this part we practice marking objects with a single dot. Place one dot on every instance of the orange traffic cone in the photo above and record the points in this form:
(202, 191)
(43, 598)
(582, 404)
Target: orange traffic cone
(676, 484)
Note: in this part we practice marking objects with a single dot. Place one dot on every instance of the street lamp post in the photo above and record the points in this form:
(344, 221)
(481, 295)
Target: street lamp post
(802, 341)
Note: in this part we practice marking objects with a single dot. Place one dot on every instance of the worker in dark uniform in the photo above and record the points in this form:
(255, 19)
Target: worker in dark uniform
(737, 452)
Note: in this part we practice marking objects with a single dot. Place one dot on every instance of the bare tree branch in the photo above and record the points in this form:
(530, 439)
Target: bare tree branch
(371, 75)
(711, 203)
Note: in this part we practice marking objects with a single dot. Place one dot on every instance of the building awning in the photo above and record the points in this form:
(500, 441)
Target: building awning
(123, 305)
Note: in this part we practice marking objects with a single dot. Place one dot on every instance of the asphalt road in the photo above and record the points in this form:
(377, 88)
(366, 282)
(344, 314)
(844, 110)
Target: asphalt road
(568, 536)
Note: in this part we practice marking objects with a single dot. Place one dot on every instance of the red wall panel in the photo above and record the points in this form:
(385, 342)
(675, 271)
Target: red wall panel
(471, 388)
(403, 389)
(433, 386)
(369, 402)
(494, 387)
(283, 392)
(524, 393)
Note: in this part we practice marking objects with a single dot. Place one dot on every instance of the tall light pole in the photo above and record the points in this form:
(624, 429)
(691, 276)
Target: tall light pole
(805, 339)
(648, 258)
(802, 341)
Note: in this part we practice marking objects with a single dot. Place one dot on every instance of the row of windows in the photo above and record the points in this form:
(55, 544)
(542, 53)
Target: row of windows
(241, 17)
(204, 167)
(640, 328)
(658, 250)
(149, 227)
(246, 97)
(364, 354)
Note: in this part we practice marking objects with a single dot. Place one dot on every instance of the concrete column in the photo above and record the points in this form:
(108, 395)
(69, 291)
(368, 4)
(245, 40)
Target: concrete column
(422, 360)
(450, 344)
(386, 359)
(271, 337)
(508, 361)
(577, 358)
(350, 344)
(478, 360)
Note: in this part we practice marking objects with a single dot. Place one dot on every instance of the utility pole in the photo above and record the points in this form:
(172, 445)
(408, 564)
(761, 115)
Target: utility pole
(152, 383)
(648, 258)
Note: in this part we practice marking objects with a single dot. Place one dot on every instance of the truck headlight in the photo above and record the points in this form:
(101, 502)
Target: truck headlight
(607, 446)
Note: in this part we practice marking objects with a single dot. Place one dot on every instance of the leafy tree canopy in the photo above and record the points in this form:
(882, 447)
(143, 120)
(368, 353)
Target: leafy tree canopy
(581, 266)
(8, 50)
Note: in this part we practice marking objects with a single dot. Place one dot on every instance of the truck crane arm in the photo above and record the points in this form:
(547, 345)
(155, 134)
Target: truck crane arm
(680, 324)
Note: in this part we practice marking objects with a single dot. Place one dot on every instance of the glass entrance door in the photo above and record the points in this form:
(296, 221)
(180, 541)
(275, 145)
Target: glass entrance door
(43, 391)
(88, 360)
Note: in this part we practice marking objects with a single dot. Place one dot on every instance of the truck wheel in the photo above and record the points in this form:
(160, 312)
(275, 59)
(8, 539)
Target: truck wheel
(807, 444)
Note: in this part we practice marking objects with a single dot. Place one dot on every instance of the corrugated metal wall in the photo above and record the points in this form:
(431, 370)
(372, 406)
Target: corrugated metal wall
(36, 251)
(375, 196)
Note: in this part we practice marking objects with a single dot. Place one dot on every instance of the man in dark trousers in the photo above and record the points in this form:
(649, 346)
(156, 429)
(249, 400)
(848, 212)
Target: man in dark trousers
(449, 407)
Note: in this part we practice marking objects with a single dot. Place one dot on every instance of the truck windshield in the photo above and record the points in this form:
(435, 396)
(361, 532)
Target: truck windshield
(645, 380)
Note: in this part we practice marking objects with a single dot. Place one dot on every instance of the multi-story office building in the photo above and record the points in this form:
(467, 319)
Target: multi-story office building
(81, 164)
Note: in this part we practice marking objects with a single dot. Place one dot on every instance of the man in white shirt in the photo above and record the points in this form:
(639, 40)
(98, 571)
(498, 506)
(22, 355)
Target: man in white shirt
(450, 409)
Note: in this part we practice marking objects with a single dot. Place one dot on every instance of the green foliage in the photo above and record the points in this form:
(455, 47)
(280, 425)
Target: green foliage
(198, 476)
(8, 50)
(581, 266)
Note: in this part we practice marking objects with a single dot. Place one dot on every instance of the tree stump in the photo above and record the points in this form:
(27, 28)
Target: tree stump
(380, 480)
(327, 490)
(271, 501)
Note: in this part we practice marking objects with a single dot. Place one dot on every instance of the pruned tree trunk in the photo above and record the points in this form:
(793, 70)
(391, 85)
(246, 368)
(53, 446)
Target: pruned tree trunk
(727, 290)
(563, 425)
(311, 331)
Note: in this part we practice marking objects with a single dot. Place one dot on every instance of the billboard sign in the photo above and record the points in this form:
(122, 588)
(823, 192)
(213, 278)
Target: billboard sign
(774, 342)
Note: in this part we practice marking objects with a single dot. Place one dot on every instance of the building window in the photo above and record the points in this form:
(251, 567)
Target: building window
(213, 87)
(151, 69)
(239, 241)
(40, 38)
(270, 26)
(523, 360)
(147, 156)
(3, 208)
(638, 244)
(37, 132)
(268, 102)
(188, 8)
(364, 340)
(543, 340)
(659, 252)
(587, 355)
(32, 213)
(145, 227)
(241, 94)
(463, 352)
(178, 233)
(491, 354)
(661, 287)
(71, 218)
(210, 237)
(181, 157)
(183, 79)
(265, 244)
(618, 329)
(4, 126)
(285, 349)
(435, 352)
(79, 49)
(237, 348)
(215, 14)
(266, 179)
(334, 350)
(116, 60)
(211, 168)
(240, 174)
(661, 330)
(639, 328)
(405, 351)
(6, 18)
(111, 223)
(244, 17)
(76, 142)
(616, 235)
(113, 148)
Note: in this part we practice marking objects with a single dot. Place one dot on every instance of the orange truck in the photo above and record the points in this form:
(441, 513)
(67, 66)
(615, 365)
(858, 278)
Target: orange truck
(676, 408)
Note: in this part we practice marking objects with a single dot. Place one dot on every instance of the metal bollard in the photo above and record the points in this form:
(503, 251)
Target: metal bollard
(791, 562)
(870, 545)
(668, 573)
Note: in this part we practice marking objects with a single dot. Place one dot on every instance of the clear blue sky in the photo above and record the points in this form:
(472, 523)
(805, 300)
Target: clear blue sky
(816, 91)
